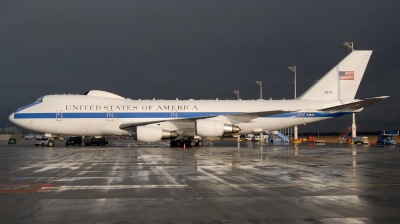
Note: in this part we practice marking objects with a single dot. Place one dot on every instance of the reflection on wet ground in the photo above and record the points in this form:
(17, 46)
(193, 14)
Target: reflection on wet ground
(222, 182)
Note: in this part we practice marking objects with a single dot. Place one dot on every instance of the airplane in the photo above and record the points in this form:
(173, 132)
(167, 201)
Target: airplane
(30, 136)
(99, 113)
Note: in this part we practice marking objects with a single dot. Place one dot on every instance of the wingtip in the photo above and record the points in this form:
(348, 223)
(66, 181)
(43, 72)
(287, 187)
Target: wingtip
(378, 97)
(382, 97)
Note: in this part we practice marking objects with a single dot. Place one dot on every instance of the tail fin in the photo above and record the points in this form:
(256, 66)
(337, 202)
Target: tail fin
(342, 81)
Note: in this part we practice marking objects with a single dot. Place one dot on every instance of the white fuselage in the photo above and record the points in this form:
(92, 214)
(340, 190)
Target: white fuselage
(92, 115)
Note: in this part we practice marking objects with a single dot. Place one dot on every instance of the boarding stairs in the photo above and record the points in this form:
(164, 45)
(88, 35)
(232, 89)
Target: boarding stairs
(276, 136)
(344, 134)
(387, 137)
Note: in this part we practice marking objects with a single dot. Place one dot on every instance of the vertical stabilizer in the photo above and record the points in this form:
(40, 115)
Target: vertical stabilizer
(342, 81)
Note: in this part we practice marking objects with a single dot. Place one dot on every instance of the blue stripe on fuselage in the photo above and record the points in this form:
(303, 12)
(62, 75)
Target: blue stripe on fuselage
(166, 115)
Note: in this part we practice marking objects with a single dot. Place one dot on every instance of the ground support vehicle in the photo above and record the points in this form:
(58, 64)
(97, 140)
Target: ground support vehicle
(387, 137)
(73, 140)
(251, 137)
(360, 140)
(44, 141)
(12, 141)
(310, 140)
(96, 141)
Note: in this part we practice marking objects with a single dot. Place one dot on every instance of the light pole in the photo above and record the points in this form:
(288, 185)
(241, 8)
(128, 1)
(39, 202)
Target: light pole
(349, 46)
(238, 136)
(259, 83)
(237, 93)
(293, 70)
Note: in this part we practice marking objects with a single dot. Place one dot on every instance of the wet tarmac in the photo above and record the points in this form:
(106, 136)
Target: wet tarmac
(222, 182)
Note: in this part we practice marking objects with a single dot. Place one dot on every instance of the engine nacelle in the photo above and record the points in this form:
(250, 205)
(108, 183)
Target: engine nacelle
(153, 134)
(211, 128)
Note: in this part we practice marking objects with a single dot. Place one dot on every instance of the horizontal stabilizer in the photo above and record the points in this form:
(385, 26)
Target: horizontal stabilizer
(356, 105)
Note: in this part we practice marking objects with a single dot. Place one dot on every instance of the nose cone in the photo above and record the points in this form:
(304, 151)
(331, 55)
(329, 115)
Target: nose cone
(14, 119)
(11, 118)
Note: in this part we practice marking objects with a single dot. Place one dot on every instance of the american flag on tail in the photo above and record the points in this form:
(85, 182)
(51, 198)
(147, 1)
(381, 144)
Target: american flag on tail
(347, 75)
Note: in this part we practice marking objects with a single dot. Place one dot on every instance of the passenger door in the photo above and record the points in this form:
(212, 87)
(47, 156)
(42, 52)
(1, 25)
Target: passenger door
(59, 115)
(174, 114)
(110, 115)
(300, 116)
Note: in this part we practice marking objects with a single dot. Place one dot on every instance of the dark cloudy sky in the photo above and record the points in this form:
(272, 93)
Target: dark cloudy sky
(197, 49)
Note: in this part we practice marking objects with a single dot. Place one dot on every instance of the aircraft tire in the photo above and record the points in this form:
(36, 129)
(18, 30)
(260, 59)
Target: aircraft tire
(199, 143)
(172, 144)
(179, 143)
(192, 143)
(50, 144)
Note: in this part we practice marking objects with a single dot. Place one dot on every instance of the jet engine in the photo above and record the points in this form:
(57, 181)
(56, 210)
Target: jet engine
(153, 134)
(211, 128)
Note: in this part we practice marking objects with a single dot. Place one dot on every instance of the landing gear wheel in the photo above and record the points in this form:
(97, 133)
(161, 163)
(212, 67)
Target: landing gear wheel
(192, 143)
(172, 144)
(200, 143)
(179, 143)
(51, 144)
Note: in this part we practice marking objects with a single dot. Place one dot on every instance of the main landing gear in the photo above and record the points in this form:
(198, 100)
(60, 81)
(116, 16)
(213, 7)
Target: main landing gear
(186, 142)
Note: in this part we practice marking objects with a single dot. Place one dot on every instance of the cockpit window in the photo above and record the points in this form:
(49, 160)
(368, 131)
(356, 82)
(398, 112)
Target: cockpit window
(39, 100)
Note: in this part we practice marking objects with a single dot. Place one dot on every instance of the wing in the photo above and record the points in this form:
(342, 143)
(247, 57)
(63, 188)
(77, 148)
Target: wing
(354, 106)
(235, 118)
(248, 117)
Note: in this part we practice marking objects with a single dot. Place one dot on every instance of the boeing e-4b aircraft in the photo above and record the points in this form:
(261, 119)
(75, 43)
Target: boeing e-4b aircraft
(99, 113)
